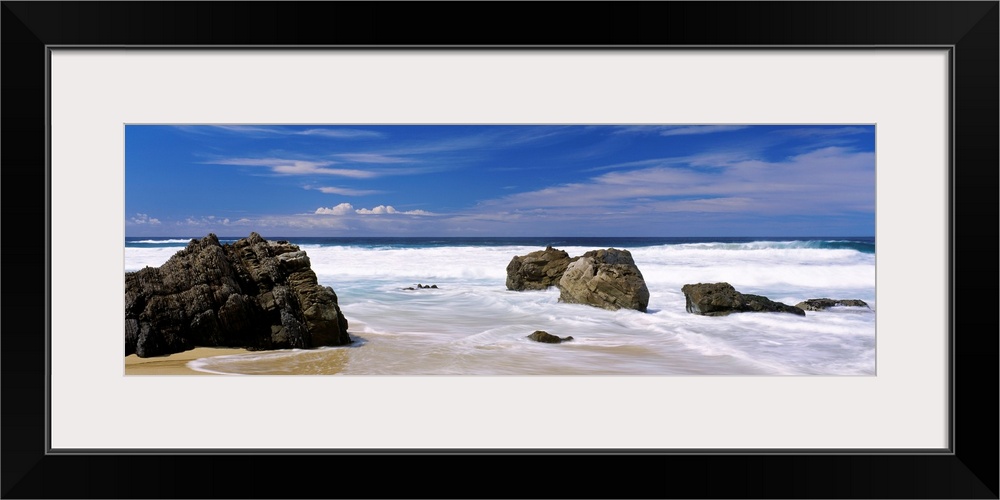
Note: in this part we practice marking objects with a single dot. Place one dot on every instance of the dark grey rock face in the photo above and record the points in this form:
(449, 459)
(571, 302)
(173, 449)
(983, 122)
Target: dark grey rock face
(253, 294)
(546, 337)
(608, 279)
(720, 299)
(821, 304)
(537, 270)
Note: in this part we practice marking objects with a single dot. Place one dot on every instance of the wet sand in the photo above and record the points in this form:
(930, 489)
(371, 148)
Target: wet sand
(174, 364)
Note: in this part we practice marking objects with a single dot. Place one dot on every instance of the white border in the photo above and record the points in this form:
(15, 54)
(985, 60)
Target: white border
(905, 93)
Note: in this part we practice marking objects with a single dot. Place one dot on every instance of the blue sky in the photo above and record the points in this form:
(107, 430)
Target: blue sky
(504, 180)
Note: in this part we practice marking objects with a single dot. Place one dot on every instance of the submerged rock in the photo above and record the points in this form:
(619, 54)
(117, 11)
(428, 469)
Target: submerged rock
(720, 299)
(420, 287)
(252, 294)
(821, 304)
(537, 270)
(608, 279)
(546, 337)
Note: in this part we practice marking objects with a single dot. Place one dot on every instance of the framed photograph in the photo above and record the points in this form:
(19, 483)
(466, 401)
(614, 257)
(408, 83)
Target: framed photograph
(469, 249)
(410, 170)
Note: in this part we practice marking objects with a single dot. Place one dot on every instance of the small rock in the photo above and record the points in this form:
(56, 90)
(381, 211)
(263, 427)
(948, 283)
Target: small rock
(821, 304)
(721, 299)
(546, 337)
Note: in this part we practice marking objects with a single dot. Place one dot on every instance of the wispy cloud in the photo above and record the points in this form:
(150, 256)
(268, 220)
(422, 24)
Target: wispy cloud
(258, 131)
(371, 158)
(822, 181)
(713, 159)
(248, 129)
(651, 162)
(408, 157)
(671, 130)
(701, 129)
(296, 167)
(343, 191)
(480, 140)
(341, 133)
(824, 131)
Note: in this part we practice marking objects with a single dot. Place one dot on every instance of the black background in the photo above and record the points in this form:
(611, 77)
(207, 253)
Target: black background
(970, 472)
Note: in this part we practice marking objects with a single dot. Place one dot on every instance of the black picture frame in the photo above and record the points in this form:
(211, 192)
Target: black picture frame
(969, 470)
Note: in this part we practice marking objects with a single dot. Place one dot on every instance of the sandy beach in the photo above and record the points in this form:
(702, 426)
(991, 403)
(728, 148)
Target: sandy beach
(174, 364)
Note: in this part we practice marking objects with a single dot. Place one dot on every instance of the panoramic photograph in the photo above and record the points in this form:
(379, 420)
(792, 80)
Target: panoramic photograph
(535, 249)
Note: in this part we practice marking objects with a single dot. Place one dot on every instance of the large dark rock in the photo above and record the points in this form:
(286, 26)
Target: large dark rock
(720, 299)
(546, 337)
(821, 304)
(607, 279)
(253, 294)
(537, 270)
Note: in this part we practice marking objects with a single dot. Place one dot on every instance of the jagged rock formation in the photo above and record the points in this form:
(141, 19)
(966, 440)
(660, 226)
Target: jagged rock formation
(253, 294)
(546, 337)
(720, 299)
(821, 304)
(608, 279)
(537, 270)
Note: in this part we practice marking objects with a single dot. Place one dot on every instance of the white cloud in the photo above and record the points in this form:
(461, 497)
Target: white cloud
(340, 133)
(296, 167)
(342, 209)
(389, 209)
(144, 219)
(243, 129)
(670, 130)
(701, 129)
(381, 209)
(213, 221)
(257, 131)
(342, 191)
(713, 159)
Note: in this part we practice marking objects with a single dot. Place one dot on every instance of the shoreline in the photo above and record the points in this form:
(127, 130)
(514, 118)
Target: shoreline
(175, 364)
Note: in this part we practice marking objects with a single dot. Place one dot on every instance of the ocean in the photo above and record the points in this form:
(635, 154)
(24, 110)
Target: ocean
(472, 325)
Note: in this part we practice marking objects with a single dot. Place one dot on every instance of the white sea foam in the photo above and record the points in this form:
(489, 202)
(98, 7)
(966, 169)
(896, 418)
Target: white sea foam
(137, 258)
(163, 241)
(471, 324)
